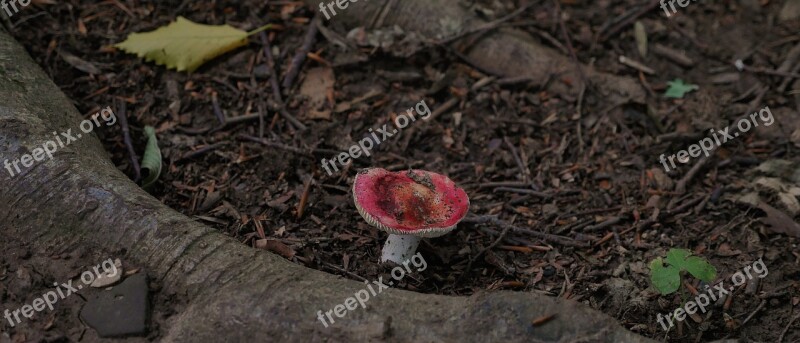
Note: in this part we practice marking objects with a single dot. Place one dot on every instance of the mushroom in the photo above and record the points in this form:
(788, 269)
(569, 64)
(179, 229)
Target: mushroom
(408, 205)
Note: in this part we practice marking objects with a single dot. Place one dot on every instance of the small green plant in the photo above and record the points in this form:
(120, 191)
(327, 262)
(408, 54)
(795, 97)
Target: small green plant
(678, 89)
(666, 278)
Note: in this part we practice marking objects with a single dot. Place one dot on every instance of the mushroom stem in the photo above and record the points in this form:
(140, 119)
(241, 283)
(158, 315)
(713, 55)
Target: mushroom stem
(399, 248)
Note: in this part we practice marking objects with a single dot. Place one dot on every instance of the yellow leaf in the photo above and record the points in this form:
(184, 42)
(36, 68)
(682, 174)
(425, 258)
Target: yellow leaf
(185, 45)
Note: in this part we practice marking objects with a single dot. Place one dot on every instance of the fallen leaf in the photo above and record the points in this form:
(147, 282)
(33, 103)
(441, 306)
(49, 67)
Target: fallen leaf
(640, 34)
(185, 45)
(778, 221)
(316, 86)
(78, 63)
(151, 161)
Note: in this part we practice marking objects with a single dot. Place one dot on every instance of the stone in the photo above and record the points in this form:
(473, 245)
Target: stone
(109, 277)
(120, 311)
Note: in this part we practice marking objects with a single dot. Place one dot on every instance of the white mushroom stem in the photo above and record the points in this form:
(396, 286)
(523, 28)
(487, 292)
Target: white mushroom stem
(399, 248)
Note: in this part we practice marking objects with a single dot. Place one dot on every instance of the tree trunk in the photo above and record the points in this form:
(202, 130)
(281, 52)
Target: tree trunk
(228, 291)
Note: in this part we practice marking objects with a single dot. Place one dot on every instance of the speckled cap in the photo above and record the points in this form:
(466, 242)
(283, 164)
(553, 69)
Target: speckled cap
(412, 202)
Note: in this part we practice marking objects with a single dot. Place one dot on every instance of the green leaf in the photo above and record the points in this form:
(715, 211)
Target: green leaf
(700, 268)
(677, 257)
(678, 89)
(185, 45)
(151, 161)
(666, 279)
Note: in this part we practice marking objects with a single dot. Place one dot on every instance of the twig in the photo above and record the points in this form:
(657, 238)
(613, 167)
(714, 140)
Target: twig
(276, 90)
(538, 194)
(523, 169)
(300, 56)
(409, 132)
(767, 71)
(304, 198)
(607, 223)
(786, 329)
(126, 137)
(680, 187)
(335, 267)
(543, 236)
(275, 145)
(217, 109)
(761, 305)
(480, 253)
(201, 151)
(636, 65)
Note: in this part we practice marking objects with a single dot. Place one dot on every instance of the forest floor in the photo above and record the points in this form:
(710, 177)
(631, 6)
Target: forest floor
(582, 170)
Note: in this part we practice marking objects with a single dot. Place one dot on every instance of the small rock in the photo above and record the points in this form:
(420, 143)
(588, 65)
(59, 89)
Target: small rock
(790, 10)
(121, 311)
(109, 277)
(549, 209)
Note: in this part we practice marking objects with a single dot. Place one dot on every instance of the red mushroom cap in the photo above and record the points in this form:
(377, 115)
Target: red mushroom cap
(412, 202)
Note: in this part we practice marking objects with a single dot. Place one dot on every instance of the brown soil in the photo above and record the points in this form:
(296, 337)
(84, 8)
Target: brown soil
(590, 175)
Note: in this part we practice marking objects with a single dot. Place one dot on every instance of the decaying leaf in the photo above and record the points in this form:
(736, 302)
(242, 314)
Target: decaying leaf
(318, 87)
(79, 63)
(641, 38)
(778, 221)
(151, 161)
(185, 45)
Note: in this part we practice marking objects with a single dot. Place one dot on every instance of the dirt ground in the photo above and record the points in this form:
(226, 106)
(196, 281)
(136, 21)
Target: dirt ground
(582, 170)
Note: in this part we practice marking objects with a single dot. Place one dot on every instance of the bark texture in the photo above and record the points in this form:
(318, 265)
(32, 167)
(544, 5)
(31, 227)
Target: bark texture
(231, 292)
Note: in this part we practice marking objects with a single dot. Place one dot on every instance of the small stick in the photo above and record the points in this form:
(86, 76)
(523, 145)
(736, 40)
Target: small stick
(523, 169)
(542, 195)
(275, 145)
(300, 56)
(480, 253)
(760, 306)
(201, 151)
(767, 71)
(636, 65)
(499, 222)
(543, 319)
(304, 198)
(673, 55)
(126, 137)
(217, 109)
(680, 187)
(503, 184)
(276, 90)
(786, 329)
(335, 267)
(607, 223)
